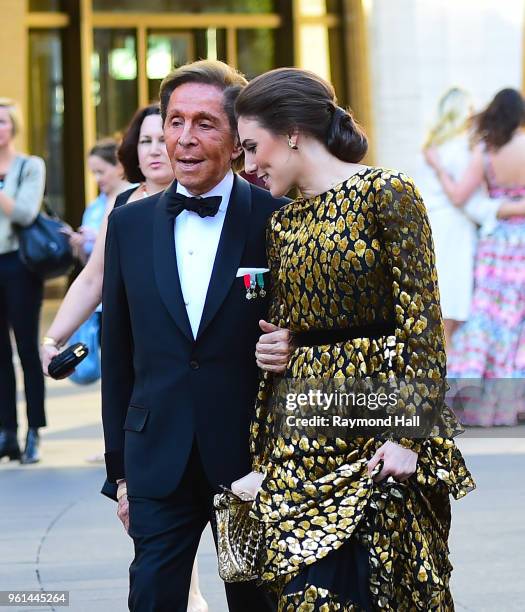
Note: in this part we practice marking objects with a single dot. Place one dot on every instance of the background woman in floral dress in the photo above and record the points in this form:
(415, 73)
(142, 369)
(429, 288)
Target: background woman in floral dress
(490, 347)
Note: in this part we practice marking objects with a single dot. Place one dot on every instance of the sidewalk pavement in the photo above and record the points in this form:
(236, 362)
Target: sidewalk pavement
(58, 533)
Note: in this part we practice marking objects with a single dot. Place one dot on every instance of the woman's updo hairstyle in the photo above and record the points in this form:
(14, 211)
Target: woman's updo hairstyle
(286, 99)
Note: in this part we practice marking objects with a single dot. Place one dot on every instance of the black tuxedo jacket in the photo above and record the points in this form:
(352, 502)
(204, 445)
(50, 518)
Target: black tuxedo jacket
(161, 388)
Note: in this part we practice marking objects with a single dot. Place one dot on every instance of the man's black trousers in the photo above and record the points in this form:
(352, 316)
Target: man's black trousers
(166, 535)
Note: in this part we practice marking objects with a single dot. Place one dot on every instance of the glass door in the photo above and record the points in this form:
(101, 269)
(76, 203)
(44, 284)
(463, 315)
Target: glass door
(133, 50)
(46, 109)
(114, 73)
(166, 50)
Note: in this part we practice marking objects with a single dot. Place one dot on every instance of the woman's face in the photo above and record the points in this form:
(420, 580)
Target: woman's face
(107, 175)
(269, 156)
(6, 127)
(151, 150)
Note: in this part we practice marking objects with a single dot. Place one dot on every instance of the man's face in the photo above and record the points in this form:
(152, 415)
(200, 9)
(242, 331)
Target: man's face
(198, 137)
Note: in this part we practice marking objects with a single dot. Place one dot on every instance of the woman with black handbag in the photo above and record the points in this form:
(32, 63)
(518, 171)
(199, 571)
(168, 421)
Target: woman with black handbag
(22, 181)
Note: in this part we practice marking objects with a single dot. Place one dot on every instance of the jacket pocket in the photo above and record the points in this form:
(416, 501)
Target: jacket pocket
(136, 418)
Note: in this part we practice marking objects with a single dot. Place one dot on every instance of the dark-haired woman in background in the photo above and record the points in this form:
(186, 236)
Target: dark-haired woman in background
(350, 523)
(490, 346)
(143, 156)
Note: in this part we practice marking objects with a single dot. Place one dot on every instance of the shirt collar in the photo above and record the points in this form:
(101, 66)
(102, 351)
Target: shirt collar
(223, 189)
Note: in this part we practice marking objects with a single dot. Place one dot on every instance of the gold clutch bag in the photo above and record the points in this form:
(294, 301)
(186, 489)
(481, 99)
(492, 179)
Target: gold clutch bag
(239, 537)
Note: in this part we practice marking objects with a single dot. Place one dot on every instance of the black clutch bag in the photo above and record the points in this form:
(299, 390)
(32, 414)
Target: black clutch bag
(62, 365)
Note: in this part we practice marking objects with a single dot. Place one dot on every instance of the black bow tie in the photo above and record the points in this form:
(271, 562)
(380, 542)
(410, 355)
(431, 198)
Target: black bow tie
(204, 207)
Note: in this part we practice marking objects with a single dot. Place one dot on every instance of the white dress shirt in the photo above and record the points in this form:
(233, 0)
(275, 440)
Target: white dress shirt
(196, 242)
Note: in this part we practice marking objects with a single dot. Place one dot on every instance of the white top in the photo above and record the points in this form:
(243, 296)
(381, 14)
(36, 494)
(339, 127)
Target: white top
(455, 156)
(196, 242)
(453, 231)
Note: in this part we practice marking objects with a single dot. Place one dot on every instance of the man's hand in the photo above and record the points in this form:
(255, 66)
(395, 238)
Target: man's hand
(274, 348)
(123, 505)
(398, 462)
(248, 486)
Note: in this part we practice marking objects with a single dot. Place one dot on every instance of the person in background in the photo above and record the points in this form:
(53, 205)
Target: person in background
(490, 346)
(143, 156)
(453, 231)
(22, 182)
(109, 175)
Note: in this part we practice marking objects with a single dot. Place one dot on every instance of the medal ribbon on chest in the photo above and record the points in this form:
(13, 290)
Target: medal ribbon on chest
(250, 284)
(260, 280)
(251, 281)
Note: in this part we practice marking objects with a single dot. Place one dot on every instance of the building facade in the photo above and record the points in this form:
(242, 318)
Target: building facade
(421, 48)
(80, 68)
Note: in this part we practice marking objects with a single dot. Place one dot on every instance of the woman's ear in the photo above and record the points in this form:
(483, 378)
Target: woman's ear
(293, 136)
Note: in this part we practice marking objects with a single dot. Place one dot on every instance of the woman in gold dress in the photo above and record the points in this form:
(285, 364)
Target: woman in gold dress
(350, 522)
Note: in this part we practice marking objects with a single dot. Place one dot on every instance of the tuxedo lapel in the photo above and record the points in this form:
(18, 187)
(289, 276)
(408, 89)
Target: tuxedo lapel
(165, 265)
(229, 251)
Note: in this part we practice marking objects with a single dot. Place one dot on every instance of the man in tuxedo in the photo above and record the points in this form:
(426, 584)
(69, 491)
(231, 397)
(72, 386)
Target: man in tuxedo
(179, 375)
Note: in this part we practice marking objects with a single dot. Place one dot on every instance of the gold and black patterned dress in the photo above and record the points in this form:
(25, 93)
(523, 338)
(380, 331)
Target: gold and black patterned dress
(359, 254)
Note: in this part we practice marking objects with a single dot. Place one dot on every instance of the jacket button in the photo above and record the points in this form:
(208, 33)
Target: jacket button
(194, 365)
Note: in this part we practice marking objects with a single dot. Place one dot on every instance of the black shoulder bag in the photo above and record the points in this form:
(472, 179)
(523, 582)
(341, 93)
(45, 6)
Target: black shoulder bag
(44, 249)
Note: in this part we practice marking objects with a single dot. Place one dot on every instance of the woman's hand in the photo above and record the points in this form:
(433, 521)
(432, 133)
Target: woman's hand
(88, 233)
(76, 240)
(398, 462)
(47, 352)
(431, 156)
(248, 486)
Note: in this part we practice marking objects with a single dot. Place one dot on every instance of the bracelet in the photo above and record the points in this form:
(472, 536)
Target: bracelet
(121, 492)
(47, 341)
